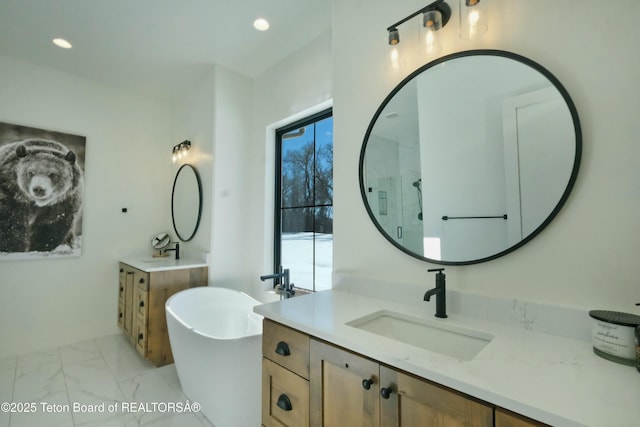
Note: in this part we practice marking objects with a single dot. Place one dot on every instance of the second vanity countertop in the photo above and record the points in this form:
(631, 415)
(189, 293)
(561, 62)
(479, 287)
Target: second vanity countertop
(151, 264)
(552, 379)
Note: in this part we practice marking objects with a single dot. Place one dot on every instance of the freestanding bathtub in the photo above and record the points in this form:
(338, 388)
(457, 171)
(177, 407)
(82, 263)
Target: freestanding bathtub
(216, 343)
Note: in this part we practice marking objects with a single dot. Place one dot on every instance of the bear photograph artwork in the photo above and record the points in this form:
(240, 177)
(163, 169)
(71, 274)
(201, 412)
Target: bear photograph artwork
(41, 192)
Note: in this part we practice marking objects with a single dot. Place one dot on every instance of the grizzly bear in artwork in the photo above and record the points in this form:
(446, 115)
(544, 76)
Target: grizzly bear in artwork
(41, 189)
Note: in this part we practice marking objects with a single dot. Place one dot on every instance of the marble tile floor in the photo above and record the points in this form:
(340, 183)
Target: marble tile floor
(62, 385)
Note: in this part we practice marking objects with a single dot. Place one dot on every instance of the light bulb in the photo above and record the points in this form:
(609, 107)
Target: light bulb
(394, 57)
(430, 42)
(472, 19)
(473, 23)
(62, 43)
(261, 24)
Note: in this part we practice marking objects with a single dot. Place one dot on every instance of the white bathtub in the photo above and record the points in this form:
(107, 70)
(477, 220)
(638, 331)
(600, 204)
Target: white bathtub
(216, 342)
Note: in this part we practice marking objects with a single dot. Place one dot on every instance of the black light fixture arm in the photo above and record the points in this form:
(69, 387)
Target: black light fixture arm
(185, 143)
(180, 150)
(439, 5)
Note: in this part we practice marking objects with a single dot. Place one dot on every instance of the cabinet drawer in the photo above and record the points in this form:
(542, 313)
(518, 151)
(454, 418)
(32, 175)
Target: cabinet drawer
(121, 311)
(141, 279)
(141, 335)
(287, 347)
(122, 286)
(141, 303)
(285, 397)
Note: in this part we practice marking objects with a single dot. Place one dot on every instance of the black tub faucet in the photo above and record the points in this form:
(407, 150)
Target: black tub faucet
(439, 292)
(285, 287)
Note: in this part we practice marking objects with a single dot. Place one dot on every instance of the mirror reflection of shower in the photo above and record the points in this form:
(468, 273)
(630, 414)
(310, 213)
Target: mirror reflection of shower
(418, 185)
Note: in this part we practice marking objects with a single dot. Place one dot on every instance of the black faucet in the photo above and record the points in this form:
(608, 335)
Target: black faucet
(285, 288)
(439, 292)
(176, 248)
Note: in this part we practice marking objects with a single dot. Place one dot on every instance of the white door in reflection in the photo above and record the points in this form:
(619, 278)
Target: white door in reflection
(535, 124)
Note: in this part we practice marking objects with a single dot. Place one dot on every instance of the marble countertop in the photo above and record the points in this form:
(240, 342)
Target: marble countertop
(150, 264)
(553, 379)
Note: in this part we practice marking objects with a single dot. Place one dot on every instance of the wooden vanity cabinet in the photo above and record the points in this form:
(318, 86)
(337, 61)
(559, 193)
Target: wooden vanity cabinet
(309, 382)
(285, 376)
(348, 389)
(345, 388)
(413, 401)
(141, 299)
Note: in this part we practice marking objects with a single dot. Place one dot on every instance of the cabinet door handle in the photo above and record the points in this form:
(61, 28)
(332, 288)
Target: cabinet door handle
(141, 280)
(366, 383)
(121, 288)
(385, 392)
(282, 348)
(141, 304)
(284, 403)
(140, 336)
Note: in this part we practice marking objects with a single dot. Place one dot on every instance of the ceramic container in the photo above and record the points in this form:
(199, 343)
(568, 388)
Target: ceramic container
(613, 335)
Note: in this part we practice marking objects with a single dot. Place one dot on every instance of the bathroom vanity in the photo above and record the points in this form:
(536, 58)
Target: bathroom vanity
(321, 369)
(145, 284)
(310, 382)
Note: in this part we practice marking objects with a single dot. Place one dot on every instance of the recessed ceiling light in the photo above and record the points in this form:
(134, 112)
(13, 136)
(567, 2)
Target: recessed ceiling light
(261, 24)
(62, 43)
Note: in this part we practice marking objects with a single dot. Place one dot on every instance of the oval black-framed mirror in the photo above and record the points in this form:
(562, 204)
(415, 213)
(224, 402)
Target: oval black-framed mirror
(470, 157)
(186, 202)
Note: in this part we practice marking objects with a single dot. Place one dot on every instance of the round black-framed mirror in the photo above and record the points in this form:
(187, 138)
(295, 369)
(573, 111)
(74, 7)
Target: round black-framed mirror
(186, 202)
(470, 157)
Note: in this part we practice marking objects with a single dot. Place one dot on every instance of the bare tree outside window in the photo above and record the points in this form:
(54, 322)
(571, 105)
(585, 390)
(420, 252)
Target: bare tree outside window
(304, 223)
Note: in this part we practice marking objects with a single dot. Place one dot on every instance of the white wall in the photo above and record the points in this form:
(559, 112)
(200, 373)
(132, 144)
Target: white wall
(232, 181)
(588, 256)
(216, 116)
(193, 117)
(51, 302)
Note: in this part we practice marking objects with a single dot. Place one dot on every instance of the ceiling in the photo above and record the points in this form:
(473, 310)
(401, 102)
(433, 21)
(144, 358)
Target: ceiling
(158, 47)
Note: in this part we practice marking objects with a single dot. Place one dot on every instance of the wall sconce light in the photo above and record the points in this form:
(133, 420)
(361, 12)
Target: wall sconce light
(394, 54)
(473, 19)
(434, 17)
(180, 150)
(430, 42)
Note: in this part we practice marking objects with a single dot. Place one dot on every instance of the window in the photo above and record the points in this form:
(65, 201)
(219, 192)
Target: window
(304, 201)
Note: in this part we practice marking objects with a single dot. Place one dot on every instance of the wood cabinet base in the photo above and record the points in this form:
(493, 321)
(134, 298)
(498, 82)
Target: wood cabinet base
(141, 299)
(309, 382)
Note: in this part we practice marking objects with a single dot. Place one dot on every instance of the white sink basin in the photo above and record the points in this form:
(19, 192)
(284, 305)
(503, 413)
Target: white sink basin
(439, 337)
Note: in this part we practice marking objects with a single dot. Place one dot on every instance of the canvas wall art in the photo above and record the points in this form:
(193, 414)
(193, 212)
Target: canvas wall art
(41, 192)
